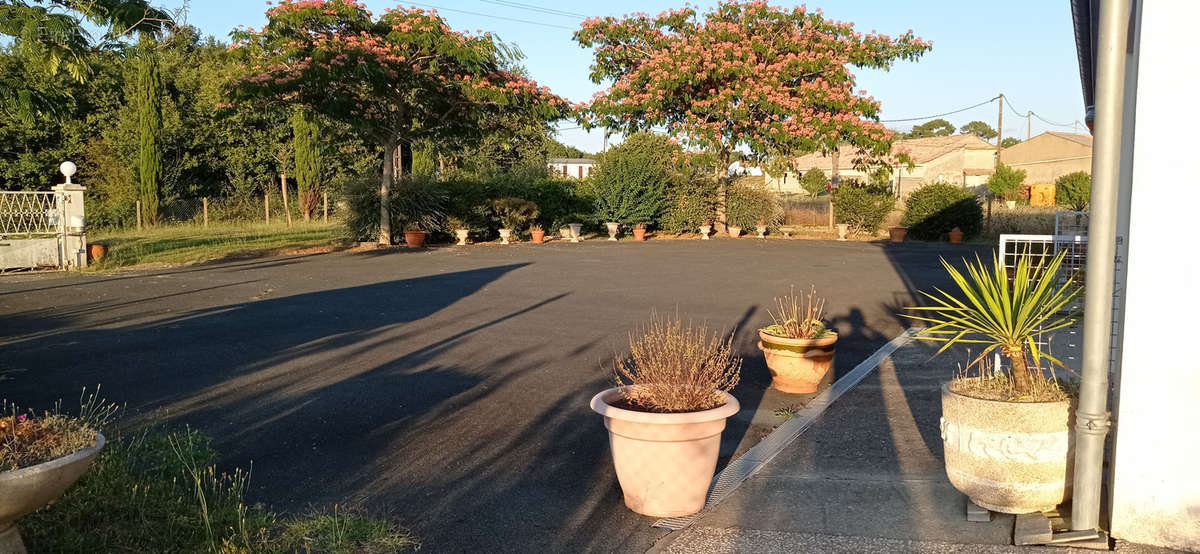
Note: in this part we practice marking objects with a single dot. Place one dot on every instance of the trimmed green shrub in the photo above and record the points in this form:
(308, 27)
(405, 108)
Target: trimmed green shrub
(630, 181)
(691, 202)
(1073, 190)
(748, 202)
(860, 208)
(937, 208)
(814, 182)
(514, 213)
(1005, 181)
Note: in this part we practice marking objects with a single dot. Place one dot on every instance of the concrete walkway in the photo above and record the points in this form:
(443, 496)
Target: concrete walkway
(866, 477)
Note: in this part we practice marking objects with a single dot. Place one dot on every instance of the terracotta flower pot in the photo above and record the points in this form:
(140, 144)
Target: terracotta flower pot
(1011, 457)
(664, 462)
(504, 235)
(415, 239)
(639, 233)
(797, 365)
(537, 235)
(735, 232)
(704, 231)
(28, 489)
(97, 251)
(956, 237)
(462, 235)
(897, 233)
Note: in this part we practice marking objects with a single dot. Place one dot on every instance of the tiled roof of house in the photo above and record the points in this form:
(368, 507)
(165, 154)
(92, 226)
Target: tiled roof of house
(921, 150)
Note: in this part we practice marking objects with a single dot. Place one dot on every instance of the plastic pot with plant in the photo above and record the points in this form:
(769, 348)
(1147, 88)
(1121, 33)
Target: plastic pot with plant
(40, 458)
(798, 347)
(461, 231)
(1006, 432)
(666, 415)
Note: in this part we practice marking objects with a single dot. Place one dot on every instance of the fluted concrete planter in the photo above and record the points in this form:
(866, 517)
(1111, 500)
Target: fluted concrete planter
(613, 228)
(704, 231)
(762, 231)
(28, 489)
(843, 229)
(797, 365)
(505, 234)
(1011, 457)
(576, 228)
(664, 462)
(461, 235)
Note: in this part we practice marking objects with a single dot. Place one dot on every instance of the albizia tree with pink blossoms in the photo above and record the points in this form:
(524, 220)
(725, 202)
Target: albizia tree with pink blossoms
(744, 74)
(400, 77)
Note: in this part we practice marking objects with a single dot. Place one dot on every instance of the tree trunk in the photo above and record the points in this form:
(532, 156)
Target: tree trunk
(722, 175)
(287, 207)
(385, 192)
(1022, 383)
(835, 176)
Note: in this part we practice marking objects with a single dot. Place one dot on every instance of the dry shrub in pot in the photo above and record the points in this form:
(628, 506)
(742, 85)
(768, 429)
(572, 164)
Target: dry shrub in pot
(677, 367)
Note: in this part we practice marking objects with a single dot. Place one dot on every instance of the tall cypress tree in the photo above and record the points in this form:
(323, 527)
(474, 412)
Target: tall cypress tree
(148, 102)
(306, 144)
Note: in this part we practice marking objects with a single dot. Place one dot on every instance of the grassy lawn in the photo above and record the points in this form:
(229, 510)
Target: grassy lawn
(182, 244)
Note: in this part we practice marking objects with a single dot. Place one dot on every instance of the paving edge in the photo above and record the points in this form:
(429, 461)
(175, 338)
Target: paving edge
(754, 459)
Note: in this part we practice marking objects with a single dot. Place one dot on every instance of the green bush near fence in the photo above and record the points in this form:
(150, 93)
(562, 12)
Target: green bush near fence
(935, 209)
(861, 209)
(1074, 190)
(748, 202)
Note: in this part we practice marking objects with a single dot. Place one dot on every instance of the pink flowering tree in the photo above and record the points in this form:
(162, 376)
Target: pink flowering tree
(743, 75)
(400, 77)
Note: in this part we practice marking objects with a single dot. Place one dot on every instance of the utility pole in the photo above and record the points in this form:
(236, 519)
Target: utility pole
(1029, 125)
(1000, 126)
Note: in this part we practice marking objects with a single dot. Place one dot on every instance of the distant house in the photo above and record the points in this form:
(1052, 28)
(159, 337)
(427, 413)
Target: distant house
(965, 160)
(575, 168)
(1049, 156)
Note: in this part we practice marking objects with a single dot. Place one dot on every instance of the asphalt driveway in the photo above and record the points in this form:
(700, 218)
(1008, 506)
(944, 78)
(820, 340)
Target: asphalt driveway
(446, 387)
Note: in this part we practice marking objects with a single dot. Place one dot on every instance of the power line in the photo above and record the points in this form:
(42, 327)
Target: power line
(495, 16)
(1035, 114)
(532, 8)
(988, 101)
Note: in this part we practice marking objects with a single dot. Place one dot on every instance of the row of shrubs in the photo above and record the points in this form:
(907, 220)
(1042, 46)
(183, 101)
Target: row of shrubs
(930, 212)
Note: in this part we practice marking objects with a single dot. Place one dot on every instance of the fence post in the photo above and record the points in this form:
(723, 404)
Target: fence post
(830, 210)
(139, 215)
(283, 187)
(205, 200)
(325, 207)
(267, 205)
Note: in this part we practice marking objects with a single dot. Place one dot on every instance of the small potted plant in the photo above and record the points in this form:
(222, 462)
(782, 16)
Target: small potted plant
(666, 414)
(96, 251)
(576, 231)
(843, 229)
(639, 232)
(897, 233)
(40, 458)
(513, 214)
(705, 230)
(956, 235)
(537, 234)
(798, 347)
(461, 231)
(734, 231)
(761, 228)
(1006, 433)
(414, 236)
(613, 228)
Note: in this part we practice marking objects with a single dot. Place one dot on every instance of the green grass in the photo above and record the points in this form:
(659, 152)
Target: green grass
(159, 491)
(183, 244)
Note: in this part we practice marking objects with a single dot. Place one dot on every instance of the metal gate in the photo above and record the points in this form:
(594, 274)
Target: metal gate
(32, 229)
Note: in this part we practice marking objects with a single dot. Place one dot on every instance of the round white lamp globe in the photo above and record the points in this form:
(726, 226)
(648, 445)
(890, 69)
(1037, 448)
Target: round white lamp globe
(67, 169)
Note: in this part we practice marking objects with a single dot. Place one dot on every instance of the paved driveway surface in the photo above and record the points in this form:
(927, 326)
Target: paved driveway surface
(446, 387)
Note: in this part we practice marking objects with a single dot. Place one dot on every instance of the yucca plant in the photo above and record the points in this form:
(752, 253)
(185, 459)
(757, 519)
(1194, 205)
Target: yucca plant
(1001, 313)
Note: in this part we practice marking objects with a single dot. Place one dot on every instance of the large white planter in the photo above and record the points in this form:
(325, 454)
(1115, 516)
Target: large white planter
(504, 235)
(704, 231)
(762, 231)
(613, 227)
(576, 228)
(1011, 457)
(843, 229)
(664, 462)
(462, 235)
(28, 489)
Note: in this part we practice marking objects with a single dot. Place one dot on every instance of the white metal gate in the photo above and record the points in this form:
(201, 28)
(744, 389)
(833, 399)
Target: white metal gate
(32, 229)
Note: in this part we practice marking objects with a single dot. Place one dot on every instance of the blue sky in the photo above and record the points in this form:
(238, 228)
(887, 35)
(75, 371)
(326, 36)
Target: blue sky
(1025, 49)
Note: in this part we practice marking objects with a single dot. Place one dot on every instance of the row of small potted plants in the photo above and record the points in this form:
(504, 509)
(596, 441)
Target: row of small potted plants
(1006, 433)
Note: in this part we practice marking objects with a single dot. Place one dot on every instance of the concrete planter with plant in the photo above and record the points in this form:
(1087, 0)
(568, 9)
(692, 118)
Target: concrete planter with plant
(1007, 433)
(666, 415)
(798, 347)
(40, 458)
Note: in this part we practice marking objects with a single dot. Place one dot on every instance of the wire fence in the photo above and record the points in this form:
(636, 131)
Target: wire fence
(263, 208)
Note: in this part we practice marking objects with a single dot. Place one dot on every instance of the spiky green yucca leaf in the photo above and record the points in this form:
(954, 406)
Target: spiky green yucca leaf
(991, 309)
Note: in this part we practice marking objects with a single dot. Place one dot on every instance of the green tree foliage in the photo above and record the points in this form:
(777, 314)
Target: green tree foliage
(556, 149)
(150, 122)
(1006, 180)
(861, 208)
(514, 213)
(938, 208)
(1074, 190)
(750, 202)
(934, 128)
(979, 129)
(1009, 141)
(814, 182)
(306, 145)
(630, 180)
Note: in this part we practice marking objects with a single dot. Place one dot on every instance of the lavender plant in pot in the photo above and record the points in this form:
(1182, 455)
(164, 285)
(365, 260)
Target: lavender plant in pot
(1006, 433)
(666, 414)
(798, 347)
(40, 458)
